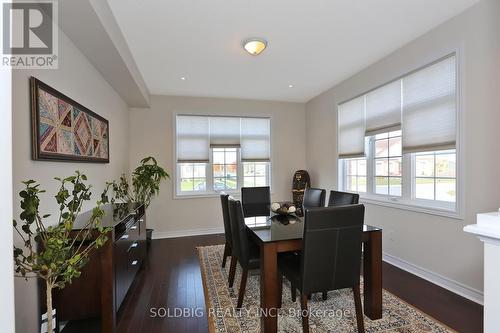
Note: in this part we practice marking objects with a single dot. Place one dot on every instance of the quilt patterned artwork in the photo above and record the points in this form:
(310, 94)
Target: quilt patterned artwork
(64, 129)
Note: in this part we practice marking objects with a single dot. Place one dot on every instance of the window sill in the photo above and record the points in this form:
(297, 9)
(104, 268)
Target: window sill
(234, 194)
(411, 206)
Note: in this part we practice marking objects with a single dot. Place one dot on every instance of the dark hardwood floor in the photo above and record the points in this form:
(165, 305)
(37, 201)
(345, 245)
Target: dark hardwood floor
(171, 279)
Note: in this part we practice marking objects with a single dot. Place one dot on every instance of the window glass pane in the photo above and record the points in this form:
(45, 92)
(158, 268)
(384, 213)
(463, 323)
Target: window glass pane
(218, 170)
(395, 146)
(219, 184)
(382, 185)
(199, 184)
(381, 167)
(395, 166)
(248, 169)
(249, 182)
(231, 170)
(186, 184)
(424, 165)
(361, 167)
(199, 170)
(381, 136)
(395, 186)
(350, 183)
(424, 188)
(381, 148)
(260, 181)
(445, 165)
(446, 190)
(231, 157)
(260, 169)
(186, 170)
(361, 184)
(218, 156)
(352, 168)
(231, 183)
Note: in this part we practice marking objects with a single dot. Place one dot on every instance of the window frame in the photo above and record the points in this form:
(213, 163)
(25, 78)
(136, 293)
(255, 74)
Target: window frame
(454, 210)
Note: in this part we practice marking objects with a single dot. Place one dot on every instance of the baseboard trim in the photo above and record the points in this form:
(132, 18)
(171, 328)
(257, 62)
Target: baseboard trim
(186, 233)
(438, 279)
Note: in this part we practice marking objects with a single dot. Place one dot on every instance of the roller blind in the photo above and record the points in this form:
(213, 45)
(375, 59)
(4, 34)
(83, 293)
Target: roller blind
(383, 109)
(255, 139)
(224, 132)
(351, 128)
(192, 139)
(429, 107)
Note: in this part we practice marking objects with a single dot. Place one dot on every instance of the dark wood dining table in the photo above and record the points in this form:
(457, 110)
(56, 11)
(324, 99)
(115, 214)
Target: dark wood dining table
(275, 234)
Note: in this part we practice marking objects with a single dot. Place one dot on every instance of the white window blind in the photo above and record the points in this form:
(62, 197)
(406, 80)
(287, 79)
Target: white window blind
(429, 108)
(351, 128)
(255, 139)
(192, 139)
(224, 132)
(197, 134)
(383, 109)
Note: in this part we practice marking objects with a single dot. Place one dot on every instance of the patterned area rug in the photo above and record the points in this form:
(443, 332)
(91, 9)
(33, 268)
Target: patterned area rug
(333, 315)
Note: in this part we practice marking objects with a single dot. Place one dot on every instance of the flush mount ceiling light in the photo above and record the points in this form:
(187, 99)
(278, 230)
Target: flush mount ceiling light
(254, 46)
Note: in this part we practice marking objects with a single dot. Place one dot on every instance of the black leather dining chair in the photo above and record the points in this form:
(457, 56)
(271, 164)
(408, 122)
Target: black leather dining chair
(256, 201)
(330, 258)
(338, 198)
(313, 198)
(244, 251)
(227, 227)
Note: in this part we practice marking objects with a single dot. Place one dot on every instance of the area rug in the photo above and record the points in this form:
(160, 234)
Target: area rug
(333, 315)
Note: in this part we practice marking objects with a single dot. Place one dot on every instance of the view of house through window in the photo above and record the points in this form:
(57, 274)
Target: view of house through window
(225, 168)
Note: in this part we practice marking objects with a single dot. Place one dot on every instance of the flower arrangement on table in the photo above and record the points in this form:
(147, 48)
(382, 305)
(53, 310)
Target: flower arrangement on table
(283, 208)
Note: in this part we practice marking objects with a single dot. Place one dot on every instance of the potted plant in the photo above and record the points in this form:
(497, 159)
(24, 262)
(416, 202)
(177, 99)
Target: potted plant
(54, 253)
(146, 180)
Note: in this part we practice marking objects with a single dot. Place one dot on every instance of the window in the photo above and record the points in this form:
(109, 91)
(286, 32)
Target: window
(225, 169)
(435, 176)
(388, 163)
(192, 177)
(355, 175)
(217, 154)
(398, 143)
(255, 174)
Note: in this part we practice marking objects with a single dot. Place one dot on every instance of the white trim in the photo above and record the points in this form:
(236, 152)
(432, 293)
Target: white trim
(438, 279)
(397, 203)
(186, 233)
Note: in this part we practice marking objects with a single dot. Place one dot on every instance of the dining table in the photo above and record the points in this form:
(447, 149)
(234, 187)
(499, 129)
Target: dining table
(275, 234)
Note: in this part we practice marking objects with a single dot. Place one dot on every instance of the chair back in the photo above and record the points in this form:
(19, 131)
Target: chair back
(225, 217)
(256, 201)
(342, 199)
(313, 198)
(241, 244)
(331, 255)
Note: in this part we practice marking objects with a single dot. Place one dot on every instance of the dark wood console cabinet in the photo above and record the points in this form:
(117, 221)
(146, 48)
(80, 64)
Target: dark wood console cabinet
(106, 279)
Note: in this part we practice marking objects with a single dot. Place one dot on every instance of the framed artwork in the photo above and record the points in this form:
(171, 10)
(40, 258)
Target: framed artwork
(64, 130)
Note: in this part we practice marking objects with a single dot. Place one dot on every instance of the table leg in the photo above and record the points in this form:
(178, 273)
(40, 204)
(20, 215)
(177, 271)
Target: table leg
(269, 288)
(372, 273)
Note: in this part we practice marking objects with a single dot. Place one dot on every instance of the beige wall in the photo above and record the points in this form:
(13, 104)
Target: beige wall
(436, 244)
(78, 79)
(152, 134)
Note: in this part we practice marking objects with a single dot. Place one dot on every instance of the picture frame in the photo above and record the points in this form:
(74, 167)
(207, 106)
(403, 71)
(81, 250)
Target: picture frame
(64, 130)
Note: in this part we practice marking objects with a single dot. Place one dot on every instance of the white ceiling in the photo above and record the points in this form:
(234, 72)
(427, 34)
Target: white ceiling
(313, 44)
